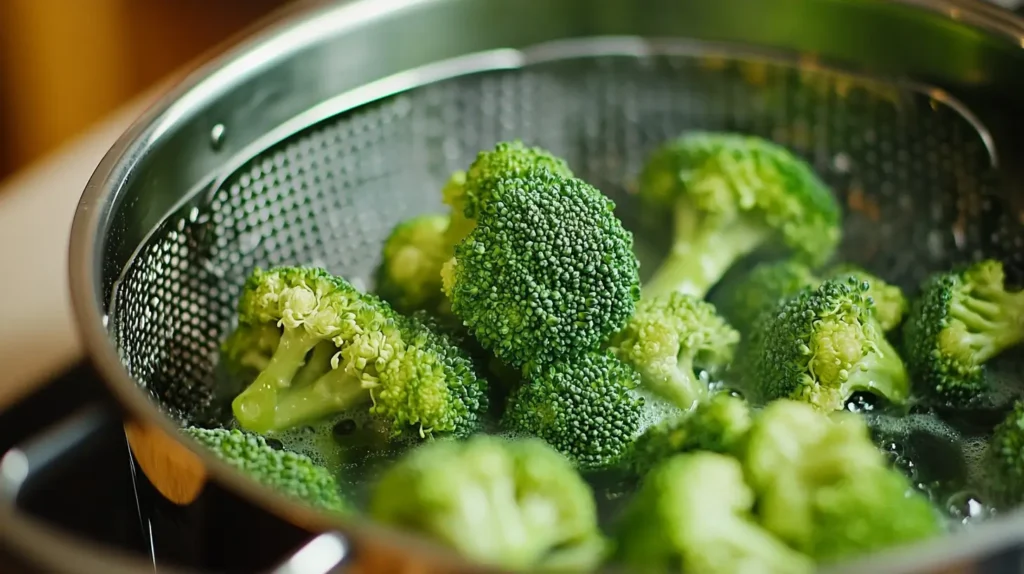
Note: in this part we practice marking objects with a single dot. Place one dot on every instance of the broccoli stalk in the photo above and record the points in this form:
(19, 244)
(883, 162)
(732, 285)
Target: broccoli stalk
(695, 510)
(668, 338)
(703, 248)
(962, 320)
(515, 504)
(822, 346)
(731, 195)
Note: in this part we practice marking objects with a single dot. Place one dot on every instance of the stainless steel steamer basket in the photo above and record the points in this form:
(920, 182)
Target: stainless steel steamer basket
(308, 140)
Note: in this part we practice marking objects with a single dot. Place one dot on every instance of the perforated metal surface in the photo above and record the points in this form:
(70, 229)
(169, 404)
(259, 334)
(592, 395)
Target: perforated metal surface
(911, 171)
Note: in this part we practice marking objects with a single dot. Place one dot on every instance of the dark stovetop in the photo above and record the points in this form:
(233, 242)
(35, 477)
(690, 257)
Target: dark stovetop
(102, 496)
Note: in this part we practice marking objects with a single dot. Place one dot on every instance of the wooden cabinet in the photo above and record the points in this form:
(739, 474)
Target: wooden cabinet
(64, 64)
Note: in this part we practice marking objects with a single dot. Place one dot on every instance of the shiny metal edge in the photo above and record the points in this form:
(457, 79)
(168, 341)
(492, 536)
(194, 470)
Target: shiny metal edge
(293, 31)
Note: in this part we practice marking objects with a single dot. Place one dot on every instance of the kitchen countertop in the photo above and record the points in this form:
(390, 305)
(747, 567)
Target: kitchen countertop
(38, 337)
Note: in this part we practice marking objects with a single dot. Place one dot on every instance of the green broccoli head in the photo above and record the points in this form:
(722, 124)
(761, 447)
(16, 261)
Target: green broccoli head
(960, 321)
(730, 195)
(760, 290)
(514, 504)
(694, 510)
(409, 276)
(340, 349)
(889, 302)
(292, 474)
(823, 486)
(467, 192)
(1004, 459)
(871, 510)
(668, 338)
(547, 273)
(587, 408)
(823, 345)
(719, 424)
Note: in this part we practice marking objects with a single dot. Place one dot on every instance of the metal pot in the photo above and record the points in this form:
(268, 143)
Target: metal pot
(196, 192)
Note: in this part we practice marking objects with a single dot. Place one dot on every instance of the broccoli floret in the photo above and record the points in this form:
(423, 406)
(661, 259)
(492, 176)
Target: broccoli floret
(433, 384)
(822, 346)
(668, 338)
(823, 486)
(548, 271)
(695, 511)
(468, 192)
(409, 276)
(716, 425)
(587, 408)
(871, 510)
(960, 321)
(292, 474)
(767, 284)
(890, 303)
(1004, 459)
(340, 349)
(743, 301)
(514, 504)
(730, 195)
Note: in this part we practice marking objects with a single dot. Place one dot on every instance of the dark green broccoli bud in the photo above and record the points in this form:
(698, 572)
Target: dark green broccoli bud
(1004, 459)
(547, 273)
(432, 385)
(960, 321)
(409, 276)
(765, 286)
(768, 284)
(668, 338)
(587, 408)
(513, 504)
(731, 195)
(889, 302)
(823, 486)
(695, 511)
(716, 425)
(467, 192)
(340, 349)
(824, 345)
(292, 474)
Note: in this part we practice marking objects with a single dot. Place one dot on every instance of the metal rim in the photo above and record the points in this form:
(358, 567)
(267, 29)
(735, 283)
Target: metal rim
(287, 32)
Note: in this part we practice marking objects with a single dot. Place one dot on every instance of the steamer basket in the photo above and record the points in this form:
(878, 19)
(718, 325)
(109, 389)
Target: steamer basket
(308, 141)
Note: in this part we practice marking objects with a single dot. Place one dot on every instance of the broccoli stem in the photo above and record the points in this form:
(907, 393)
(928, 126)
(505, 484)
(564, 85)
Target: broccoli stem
(992, 326)
(335, 391)
(881, 372)
(254, 406)
(679, 384)
(702, 251)
(319, 364)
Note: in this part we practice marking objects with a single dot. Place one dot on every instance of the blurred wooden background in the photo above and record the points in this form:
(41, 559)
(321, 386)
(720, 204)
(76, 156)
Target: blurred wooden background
(64, 64)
